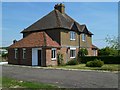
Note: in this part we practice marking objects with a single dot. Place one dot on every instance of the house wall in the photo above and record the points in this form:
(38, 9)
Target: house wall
(66, 42)
(11, 59)
(49, 61)
(65, 39)
(20, 60)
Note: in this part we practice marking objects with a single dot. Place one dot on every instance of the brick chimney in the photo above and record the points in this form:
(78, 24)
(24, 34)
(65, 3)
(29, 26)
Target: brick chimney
(60, 7)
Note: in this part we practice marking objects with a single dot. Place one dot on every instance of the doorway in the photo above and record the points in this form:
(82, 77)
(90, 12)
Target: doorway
(39, 57)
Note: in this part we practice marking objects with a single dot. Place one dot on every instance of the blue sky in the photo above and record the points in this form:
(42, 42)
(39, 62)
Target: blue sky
(100, 18)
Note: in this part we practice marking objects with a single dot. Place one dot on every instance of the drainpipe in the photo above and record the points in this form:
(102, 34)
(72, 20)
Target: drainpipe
(79, 40)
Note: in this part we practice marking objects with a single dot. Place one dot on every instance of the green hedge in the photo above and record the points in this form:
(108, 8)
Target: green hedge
(105, 59)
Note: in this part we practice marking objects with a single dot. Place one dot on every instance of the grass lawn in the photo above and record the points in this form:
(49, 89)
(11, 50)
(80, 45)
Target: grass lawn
(12, 83)
(106, 67)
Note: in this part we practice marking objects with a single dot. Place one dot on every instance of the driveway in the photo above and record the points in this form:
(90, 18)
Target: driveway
(63, 78)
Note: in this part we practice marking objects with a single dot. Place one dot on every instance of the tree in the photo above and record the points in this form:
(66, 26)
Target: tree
(107, 51)
(114, 43)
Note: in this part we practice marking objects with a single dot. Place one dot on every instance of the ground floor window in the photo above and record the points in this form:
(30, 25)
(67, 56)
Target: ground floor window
(24, 53)
(53, 53)
(16, 53)
(72, 52)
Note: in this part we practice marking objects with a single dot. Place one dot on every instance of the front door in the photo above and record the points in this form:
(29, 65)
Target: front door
(39, 57)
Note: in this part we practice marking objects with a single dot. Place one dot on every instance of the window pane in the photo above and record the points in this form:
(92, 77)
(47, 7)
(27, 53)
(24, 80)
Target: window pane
(53, 54)
(72, 35)
(72, 53)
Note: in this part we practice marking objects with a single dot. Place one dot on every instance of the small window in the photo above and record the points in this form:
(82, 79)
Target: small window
(53, 55)
(83, 37)
(24, 53)
(72, 53)
(16, 53)
(72, 35)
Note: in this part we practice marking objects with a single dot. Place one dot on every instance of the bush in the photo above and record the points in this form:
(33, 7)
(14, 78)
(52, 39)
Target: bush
(60, 59)
(105, 59)
(95, 63)
(72, 62)
(82, 52)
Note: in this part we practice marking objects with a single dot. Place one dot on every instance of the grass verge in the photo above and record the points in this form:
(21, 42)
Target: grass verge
(106, 67)
(12, 83)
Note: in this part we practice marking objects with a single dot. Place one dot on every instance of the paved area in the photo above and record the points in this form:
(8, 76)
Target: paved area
(63, 78)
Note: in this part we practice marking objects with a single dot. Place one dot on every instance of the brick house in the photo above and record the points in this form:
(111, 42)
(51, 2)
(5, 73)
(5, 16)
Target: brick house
(55, 32)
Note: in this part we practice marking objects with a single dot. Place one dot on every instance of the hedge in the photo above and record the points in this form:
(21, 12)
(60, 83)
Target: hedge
(105, 59)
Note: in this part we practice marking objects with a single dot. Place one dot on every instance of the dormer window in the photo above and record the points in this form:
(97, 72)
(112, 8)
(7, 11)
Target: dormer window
(83, 37)
(72, 35)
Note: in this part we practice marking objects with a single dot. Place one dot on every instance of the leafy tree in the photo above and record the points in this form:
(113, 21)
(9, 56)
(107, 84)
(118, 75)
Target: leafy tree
(114, 43)
(107, 51)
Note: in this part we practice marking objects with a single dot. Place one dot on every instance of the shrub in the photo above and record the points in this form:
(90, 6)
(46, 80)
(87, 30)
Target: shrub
(72, 62)
(95, 63)
(106, 59)
(82, 52)
(60, 59)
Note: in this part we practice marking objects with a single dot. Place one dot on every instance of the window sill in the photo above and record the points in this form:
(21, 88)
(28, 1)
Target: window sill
(72, 39)
(83, 40)
(72, 57)
(53, 59)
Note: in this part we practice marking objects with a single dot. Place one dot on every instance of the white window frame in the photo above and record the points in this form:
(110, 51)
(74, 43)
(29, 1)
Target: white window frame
(83, 37)
(16, 53)
(53, 53)
(72, 35)
(24, 52)
(74, 54)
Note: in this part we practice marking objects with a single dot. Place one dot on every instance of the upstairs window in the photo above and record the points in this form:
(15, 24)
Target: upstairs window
(72, 35)
(53, 53)
(83, 37)
(24, 53)
(16, 53)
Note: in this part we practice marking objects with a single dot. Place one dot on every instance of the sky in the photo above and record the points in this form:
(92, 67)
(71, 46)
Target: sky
(101, 18)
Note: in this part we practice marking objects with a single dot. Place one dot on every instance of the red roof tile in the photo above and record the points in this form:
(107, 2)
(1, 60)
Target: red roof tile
(36, 39)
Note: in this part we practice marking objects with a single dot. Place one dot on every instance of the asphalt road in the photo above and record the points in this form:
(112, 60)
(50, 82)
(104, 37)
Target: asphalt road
(63, 78)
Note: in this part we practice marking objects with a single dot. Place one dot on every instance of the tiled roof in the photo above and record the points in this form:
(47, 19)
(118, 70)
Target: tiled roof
(54, 19)
(36, 39)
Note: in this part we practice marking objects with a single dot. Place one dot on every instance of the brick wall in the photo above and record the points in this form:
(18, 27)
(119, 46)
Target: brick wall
(20, 60)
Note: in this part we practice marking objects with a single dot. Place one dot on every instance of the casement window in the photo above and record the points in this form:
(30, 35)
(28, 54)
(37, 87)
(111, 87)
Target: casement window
(24, 53)
(53, 53)
(72, 52)
(16, 53)
(72, 35)
(83, 37)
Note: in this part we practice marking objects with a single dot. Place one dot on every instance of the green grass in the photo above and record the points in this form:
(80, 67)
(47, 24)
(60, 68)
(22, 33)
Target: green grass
(12, 83)
(106, 67)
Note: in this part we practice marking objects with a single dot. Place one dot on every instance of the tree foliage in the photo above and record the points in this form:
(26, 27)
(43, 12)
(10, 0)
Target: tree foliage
(114, 43)
(82, 52)
(107, 51)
